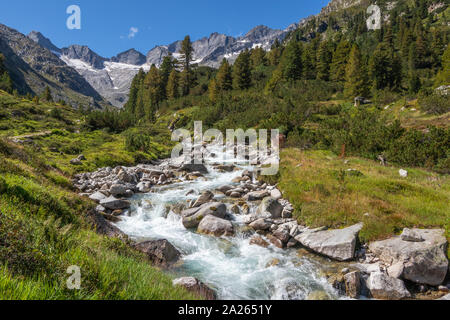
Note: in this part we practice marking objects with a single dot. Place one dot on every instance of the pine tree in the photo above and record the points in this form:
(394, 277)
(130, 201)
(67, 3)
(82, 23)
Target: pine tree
(339, 62)
(224, 76)
(355, 75)
(172, 85)
(242, 75)
(291, 61)
(186, 57)
(47, 95)
(323, 61)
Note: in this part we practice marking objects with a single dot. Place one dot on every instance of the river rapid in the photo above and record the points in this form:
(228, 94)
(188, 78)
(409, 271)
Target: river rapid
(232, 266)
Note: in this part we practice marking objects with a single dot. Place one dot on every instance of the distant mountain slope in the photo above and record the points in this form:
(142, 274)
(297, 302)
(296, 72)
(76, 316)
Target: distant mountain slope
(209, 51)
(34, 67)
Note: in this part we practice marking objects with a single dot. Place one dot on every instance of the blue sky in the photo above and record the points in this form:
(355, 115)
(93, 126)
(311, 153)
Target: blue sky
(106, 26)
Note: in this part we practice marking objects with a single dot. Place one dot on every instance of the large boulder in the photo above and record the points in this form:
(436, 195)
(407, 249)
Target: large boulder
(423, 255)
(261, 225)
(205, 197)
(118, 189)
(256, 195)
(191, 167)
(215, 226)
(272, 206)
(383, 287)
(97, 196)
(224, 189)
(113, 203)
(196, 286)
(159, 252)
(339, 244)
(216, 209)
(276, 194)
(189, 212)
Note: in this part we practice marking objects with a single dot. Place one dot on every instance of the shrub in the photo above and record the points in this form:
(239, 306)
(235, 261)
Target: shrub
(435, 104)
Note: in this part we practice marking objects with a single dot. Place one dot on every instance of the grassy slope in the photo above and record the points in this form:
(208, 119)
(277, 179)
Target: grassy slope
(325, 193)
(45, 226)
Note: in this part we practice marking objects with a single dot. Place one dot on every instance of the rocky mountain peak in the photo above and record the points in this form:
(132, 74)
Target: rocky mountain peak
(43, 41)
(85, 54)
(131, 56)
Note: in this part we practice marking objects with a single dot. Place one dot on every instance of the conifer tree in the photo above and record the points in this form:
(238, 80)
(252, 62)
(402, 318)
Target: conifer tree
(224, 76)
(291, 61)
(385, 67)
(355, 75)
(47, 95)
(339, 62)
(443, 77)
(274, 55)
(172, 85)
(187, 56)
(152, 84)
(130, 106)
(323, 61)
(213, 91)
(258, 57)
(309, 62)
(166, 68)
(413, 78)
(274, 82)
(242, 71)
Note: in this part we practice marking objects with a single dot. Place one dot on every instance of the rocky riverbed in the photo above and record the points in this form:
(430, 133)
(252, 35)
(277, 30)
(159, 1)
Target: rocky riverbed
(227, 235)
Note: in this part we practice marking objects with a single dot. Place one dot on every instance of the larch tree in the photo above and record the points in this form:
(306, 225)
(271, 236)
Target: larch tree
(172, 85)
(186, 57)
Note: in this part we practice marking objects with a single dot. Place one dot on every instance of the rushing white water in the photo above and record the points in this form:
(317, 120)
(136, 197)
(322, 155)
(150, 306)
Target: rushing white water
(236, 269)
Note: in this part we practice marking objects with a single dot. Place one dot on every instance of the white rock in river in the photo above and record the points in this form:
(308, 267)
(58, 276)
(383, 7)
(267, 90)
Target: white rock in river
(338, 244)
(423, 262)
(272, 206)
(114, 204)
(97, 196)
(215, 226)
(216, 209)
(276, 194)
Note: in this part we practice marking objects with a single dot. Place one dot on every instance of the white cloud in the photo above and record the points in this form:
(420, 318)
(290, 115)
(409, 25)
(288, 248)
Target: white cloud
(133, 32)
